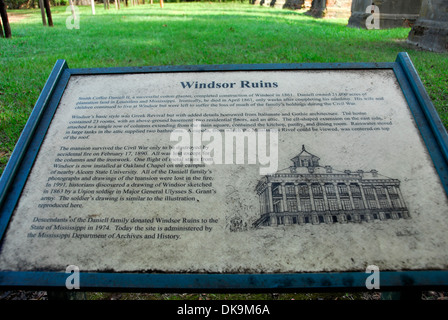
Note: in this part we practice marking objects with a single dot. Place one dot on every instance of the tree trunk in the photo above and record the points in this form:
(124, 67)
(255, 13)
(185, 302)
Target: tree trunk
(42, 11)
(5, 21)
(48, 10)
(1, 29)
(92, 2)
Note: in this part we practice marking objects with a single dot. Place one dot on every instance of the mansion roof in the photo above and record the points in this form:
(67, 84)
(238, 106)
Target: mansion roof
(306, 168)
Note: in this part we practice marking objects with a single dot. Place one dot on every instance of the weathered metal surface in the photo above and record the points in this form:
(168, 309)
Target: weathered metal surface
(28, 146)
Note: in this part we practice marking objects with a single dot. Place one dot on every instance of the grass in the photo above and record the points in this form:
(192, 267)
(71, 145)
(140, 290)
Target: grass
(188, 34)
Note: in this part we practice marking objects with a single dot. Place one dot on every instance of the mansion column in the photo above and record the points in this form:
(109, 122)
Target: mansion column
(318, 8)
(386, 191)
(378, 204)
(392, 13)
(430, 31)
(262, 200)
(310, 190)
(284, 205)
(289, 4)
(364, 200)
(324, 194)
(296, 189)
(338, 196)
(350, 195)
(271, 202)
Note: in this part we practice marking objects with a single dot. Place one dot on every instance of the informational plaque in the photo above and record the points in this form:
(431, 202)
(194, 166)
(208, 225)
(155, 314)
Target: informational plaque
(249, 170)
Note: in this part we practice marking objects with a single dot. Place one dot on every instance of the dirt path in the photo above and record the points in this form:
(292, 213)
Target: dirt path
(16, 17)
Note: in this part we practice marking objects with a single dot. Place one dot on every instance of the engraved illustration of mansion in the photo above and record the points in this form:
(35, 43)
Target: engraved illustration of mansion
(314, 194)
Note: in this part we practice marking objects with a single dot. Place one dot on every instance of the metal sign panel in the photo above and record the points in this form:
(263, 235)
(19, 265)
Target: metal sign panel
(230, 177)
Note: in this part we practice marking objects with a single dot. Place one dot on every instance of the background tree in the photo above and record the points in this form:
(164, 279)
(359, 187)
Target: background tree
(45, 8)
(5, 21)
(42, 11)
(48, 11)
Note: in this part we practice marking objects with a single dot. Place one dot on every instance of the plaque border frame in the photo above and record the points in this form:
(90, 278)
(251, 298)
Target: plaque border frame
(25, 152)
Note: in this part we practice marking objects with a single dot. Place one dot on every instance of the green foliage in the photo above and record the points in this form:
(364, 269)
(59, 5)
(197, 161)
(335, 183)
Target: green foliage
(29, 4)
(188, 34)
(17, 4)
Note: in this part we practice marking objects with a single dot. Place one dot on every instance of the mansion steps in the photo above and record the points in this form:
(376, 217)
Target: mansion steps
(314, 194)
